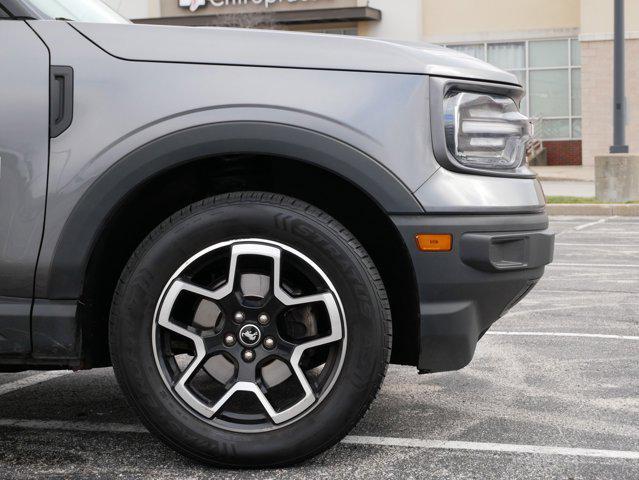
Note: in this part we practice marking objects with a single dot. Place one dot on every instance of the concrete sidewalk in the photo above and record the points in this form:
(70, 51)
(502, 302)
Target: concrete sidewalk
(567, 181)
(568, 188)
(577, 181)
(594, 209)
(580, 173)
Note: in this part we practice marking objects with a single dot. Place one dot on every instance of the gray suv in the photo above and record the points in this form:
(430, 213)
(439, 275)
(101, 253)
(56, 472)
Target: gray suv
(250, 225)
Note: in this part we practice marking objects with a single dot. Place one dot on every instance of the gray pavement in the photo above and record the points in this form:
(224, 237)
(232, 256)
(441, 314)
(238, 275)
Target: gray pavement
(560, 371)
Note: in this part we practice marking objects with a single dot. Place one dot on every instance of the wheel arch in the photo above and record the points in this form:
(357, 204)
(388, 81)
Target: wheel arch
(198, 162)
(111, 190)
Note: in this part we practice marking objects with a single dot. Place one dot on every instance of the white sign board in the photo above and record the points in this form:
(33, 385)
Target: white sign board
(193, 5)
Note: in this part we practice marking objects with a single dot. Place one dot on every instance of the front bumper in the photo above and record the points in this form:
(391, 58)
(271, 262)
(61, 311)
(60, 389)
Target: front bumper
(494, 262)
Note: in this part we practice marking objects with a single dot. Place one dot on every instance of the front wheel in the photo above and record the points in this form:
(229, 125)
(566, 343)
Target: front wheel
(250, 329)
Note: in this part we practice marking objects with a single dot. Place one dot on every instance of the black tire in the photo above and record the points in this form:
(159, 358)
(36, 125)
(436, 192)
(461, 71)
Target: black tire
(279, 219)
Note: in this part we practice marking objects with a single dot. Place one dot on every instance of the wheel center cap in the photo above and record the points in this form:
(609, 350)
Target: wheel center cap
(250, 335)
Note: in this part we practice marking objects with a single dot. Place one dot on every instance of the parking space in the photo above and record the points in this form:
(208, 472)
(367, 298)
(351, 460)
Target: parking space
(553, 392)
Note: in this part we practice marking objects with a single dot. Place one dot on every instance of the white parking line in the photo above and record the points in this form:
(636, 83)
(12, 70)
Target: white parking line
(607, 265)
(571, 307)
(619, 220)
(584, 226)
(32, 380)
(592, 224)
(598, 245)
(351, 439)
(616, 233)
(564, 334)
(490, 447)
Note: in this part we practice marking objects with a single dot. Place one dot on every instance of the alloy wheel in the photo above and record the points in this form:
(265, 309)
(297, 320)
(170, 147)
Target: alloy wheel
(250, 335)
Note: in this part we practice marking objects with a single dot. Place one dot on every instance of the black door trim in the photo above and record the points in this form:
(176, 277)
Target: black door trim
(61, 99)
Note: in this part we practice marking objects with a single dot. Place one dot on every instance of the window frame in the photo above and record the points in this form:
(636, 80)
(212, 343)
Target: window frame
(571, 117)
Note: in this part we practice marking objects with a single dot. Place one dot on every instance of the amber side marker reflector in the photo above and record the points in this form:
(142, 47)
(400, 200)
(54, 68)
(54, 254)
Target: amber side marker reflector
(434, 242)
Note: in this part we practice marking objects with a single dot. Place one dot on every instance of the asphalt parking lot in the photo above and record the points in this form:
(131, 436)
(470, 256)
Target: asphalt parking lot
(553, 392)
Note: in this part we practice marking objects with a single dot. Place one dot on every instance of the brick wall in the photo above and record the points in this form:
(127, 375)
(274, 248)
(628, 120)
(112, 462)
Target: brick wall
(563, 152)
(596, 97)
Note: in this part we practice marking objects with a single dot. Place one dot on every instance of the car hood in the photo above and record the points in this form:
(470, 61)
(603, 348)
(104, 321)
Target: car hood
(268, 48)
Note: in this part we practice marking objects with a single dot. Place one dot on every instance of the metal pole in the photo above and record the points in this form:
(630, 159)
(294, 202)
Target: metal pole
(619, 105)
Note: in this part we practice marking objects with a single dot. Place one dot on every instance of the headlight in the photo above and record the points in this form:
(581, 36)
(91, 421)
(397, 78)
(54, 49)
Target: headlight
(485, 131)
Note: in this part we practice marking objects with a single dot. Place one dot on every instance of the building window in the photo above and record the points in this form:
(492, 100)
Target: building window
(550, 71)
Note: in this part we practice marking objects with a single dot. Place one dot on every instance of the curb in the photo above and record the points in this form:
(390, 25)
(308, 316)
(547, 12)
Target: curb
(594, 209)
(550, 178)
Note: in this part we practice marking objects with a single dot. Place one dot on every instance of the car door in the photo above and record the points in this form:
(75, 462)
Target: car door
(24, 151)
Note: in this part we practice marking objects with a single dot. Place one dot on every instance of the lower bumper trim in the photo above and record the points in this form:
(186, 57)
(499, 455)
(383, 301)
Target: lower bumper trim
(494, 262)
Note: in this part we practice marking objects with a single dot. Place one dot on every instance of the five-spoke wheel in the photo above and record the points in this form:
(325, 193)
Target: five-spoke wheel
(249, 316)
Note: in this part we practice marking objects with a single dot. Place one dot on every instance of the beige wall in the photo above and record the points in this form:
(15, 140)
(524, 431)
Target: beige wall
(596, 94)
(445, 20)
(597, 17)
(401, 20)
(135, 8)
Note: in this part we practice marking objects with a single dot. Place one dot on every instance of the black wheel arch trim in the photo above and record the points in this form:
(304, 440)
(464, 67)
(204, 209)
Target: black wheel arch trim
(91, 214)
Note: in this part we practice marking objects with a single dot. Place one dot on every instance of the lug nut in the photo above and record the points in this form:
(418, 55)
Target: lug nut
(229, 340)
(248, 355)
(263, 318)
(239, 317)
(269, 343)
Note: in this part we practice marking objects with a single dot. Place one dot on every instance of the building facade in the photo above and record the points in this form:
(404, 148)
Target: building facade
(561, 51)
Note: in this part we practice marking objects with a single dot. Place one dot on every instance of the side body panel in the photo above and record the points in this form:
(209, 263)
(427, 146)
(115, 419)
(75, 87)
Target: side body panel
(120, 106)
(24, 143)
